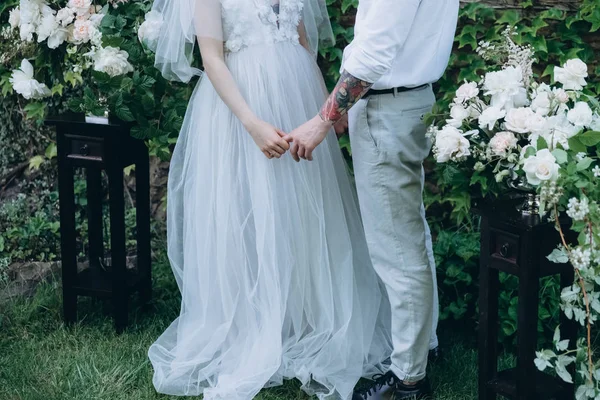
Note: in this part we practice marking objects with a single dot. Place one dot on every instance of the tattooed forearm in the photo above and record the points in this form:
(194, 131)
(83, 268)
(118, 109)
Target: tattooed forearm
(345, 94)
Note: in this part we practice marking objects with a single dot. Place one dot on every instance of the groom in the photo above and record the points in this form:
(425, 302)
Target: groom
(400, 48)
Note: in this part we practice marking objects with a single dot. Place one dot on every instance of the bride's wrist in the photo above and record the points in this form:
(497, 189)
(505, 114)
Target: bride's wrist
(249, 122)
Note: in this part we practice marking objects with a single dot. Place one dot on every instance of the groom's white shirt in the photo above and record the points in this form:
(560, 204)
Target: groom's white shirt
(401, 42)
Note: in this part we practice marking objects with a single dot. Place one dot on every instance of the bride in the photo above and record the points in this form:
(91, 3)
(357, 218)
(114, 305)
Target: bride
(269, 254)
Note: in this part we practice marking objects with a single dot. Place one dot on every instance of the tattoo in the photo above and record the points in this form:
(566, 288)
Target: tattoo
(345, 94)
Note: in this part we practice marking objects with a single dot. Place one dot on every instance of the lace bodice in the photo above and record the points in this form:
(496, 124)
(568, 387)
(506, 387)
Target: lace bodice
(252, 22)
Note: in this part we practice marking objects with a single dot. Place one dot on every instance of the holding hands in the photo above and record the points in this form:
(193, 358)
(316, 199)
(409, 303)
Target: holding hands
(268, 138)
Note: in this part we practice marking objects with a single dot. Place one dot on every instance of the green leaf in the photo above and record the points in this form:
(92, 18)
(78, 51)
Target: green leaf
(51, 151)
(541, 143)
(584, 164)
(590, 138)
(124, 113)
(576, 145)
(509, 17)
(35, 162)
(560, 155)
(35, 110)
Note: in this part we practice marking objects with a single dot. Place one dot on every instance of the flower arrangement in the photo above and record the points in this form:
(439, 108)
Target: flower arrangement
(75, 26)
(509, 127)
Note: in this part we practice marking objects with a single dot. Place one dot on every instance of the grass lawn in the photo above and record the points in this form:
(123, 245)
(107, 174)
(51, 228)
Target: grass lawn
(41, 359)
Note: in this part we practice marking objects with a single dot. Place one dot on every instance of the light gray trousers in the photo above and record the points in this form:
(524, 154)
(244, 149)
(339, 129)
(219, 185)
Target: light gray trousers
(388, 148)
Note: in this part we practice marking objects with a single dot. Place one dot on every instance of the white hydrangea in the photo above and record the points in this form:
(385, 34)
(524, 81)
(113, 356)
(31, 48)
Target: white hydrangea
(24, 84)
(577, 209)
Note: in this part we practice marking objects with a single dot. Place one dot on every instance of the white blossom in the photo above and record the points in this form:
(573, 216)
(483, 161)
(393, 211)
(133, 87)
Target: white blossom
(517, 119)
(506, 88)
(457, 115)
(596, 171)
(24, 84)
(581, 114)
(149, 31)
(572, 74)
(465, 92)
(580, 258)
(541, 167)
(502, 143)
(112, 61)
(14, 18)
(560, 95)
(65, 16)
(450, 144)
(81, 7)
(578, 210)
(489, 117)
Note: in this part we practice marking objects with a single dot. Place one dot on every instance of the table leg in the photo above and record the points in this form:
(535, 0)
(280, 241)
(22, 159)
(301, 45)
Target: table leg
(144, 264)
(117, 247)
(94, 208)
(488, 318)
(67, 234)
(527, 321)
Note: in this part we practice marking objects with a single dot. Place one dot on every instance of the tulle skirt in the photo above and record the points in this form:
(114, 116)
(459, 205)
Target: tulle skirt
(269, 255)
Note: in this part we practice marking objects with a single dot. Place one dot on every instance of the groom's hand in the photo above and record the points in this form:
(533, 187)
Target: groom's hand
(307, 137)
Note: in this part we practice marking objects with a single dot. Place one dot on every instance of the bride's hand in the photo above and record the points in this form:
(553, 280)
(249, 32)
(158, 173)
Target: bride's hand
(268, 138)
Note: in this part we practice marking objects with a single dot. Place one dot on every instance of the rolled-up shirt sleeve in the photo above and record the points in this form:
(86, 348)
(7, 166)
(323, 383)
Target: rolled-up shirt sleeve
(382, 34)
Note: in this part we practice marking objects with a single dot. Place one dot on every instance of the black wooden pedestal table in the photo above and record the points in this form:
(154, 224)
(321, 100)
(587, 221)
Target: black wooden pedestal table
(97, 147)
(517, 245)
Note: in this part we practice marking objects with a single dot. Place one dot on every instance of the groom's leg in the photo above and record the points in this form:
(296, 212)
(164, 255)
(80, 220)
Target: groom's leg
(388, 149)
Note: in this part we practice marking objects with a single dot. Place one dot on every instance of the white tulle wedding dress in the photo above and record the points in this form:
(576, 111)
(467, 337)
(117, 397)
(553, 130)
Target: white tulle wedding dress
(269, 255)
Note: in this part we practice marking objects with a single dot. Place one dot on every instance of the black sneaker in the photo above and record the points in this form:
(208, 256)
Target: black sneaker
(420, 391)
(382, 385)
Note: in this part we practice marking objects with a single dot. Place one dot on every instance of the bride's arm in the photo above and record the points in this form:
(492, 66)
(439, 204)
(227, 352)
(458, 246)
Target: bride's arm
(267, 137)
(302, 37)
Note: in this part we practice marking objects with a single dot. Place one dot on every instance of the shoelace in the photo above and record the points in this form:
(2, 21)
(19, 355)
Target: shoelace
(380, 380)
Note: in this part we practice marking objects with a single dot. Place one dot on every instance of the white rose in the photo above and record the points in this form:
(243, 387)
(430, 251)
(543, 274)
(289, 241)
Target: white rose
(541, 103)
(81, 7)
(572, 74)
(458, 114)
(14, 18)
(581, 114)
(541, 167)
(47, 26)
(24, 84)
(82, 30)
(502, 143)
(489, 117)
(560, 95)
(112, 61)
(149, 31)
(535, 123)
(450, 144)
(516, 119)
(466, 91)
(65, 16)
